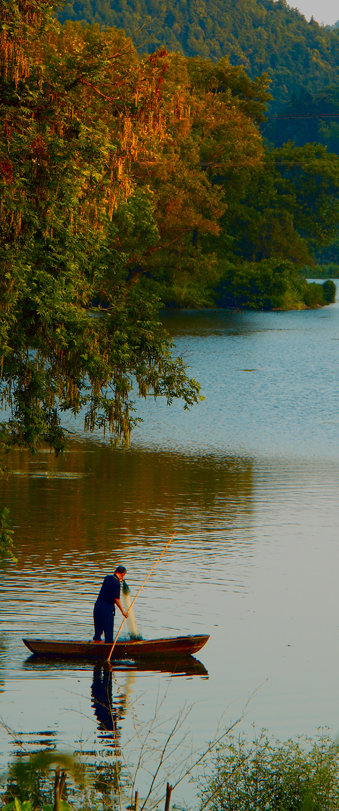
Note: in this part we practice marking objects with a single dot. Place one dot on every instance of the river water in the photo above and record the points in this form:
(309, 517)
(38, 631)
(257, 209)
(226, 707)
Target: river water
(249, 481)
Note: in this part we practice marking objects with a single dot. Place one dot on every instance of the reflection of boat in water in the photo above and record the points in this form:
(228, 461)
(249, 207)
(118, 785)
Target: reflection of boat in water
(135, 649)
(181, 666)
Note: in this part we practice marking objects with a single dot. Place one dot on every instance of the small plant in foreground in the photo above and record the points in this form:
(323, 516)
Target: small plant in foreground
(300, 775)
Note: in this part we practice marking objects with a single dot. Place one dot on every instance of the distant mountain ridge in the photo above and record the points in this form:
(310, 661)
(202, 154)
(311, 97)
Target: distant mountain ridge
(261, 35)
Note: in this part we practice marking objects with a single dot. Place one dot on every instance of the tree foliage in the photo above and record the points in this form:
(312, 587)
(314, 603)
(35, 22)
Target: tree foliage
(218, 108)
(261, 35)
(298, 57)
(79, 109)
(288, 206)
(127, 182)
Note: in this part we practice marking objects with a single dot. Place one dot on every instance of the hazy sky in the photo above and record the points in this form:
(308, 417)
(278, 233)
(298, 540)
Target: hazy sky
(323, 11)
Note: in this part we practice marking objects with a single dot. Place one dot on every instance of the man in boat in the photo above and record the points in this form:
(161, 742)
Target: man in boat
(104, 609)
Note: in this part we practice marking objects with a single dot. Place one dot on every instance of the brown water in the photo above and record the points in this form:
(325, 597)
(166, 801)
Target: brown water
(250, 482)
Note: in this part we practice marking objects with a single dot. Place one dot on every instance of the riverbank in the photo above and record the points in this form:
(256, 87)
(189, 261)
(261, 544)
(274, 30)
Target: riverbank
(266, 285)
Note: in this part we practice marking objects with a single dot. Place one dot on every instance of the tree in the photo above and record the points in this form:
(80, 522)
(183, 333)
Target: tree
(76, 333)
(212, 113)
(261, 35)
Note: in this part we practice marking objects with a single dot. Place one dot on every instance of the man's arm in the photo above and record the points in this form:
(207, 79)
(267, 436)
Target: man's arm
(118, 603)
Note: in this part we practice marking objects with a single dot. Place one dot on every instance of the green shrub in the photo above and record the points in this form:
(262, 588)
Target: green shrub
(266, 285)
(314, 295)
(37, 783)
(329, 290)
(266, 776)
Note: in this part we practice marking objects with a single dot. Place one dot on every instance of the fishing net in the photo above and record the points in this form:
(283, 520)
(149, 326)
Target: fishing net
(131, 621)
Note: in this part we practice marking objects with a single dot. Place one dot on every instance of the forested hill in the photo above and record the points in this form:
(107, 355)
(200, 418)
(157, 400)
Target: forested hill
(262, 35)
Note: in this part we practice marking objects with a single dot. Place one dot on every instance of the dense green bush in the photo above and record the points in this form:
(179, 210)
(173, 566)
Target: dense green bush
(270, 284)
(265, 285)
(329, 290)
(274, 776)
(314, 295)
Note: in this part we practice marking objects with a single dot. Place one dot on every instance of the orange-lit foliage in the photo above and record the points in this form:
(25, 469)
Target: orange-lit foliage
(109, 173)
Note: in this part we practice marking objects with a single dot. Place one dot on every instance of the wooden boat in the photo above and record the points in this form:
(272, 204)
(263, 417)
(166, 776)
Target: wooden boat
(133, 649)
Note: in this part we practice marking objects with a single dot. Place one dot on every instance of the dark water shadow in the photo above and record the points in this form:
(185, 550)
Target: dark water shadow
(182, 666)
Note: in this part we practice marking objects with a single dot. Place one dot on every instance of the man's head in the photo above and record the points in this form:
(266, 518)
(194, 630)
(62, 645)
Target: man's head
(120, 572)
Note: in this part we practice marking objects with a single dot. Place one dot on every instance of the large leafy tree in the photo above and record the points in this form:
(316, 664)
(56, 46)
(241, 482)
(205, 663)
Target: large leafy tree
(77, 110)
(212, 131)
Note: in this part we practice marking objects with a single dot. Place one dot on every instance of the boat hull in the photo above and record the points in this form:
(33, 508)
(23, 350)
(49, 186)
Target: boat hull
(124, 649)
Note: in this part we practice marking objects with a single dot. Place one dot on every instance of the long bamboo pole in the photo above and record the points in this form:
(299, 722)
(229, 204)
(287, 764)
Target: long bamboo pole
(138, 592)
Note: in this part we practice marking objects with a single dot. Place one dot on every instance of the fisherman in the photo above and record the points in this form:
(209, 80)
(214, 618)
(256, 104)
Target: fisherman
(104, 609)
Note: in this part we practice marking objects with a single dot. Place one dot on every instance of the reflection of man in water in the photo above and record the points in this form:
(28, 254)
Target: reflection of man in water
(102, 700)
(104, 609)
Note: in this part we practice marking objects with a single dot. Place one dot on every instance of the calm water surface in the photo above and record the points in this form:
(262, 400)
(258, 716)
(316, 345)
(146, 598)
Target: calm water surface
(249, 480)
